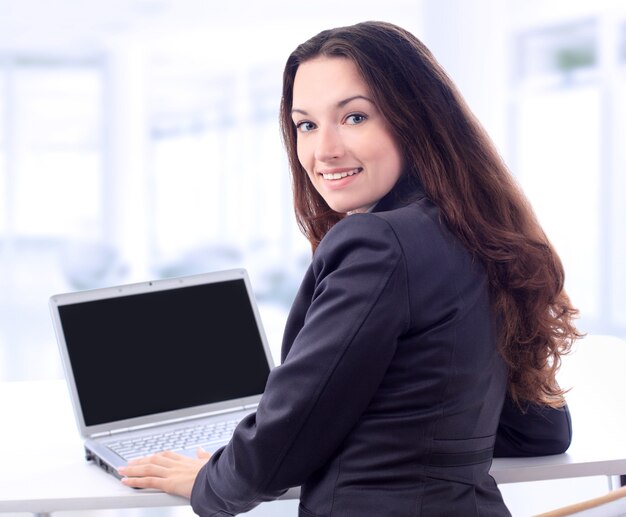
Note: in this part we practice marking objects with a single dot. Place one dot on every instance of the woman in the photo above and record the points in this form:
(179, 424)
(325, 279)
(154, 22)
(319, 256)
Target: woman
(429, 327)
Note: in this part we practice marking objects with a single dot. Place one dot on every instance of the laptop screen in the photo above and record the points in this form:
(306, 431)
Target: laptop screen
(166, 350)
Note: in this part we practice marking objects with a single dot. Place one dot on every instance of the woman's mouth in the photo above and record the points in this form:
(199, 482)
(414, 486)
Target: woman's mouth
(339, 174)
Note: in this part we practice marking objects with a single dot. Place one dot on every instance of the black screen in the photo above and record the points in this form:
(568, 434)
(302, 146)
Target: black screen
(148, 353)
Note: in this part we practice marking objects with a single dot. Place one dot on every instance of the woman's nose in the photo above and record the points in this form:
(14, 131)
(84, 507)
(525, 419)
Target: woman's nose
(329, 145)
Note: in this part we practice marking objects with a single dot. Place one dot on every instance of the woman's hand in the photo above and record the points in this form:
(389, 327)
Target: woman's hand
(167, 471)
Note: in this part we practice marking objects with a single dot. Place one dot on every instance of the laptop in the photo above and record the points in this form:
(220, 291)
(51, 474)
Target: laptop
(170, 364)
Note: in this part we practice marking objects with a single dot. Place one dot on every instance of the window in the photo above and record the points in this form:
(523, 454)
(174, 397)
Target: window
(568, 111)
(51, 185)
(221, 187)
(4, 123)
(57, 162)
(559, 54)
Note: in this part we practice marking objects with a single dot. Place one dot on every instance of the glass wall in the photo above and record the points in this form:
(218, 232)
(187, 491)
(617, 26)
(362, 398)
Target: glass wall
(568, 113)
(4, 116)
(51, 179)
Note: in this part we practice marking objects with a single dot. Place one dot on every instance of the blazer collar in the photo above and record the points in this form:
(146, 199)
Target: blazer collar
(406, 191)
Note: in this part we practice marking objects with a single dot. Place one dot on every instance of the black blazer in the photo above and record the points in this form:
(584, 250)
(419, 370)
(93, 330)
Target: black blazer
(391, 397)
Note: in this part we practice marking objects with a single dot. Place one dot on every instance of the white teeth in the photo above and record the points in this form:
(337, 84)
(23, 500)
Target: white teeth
(339, 175)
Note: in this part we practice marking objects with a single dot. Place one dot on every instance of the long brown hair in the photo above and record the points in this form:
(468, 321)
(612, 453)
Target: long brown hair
(450, 154)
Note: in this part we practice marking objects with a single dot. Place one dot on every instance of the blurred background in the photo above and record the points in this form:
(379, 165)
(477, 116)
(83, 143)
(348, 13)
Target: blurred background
(139, 139)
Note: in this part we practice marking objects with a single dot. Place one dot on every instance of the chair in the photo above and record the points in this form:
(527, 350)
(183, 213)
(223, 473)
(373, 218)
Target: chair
(612, 504)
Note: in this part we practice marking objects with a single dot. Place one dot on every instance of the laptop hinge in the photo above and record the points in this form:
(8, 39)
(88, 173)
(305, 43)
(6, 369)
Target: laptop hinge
(174, 420)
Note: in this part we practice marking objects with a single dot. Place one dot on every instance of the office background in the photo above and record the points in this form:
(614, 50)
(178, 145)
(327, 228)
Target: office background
(139, 139)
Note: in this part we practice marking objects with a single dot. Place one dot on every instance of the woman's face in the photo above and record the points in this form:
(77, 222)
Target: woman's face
(343, 141)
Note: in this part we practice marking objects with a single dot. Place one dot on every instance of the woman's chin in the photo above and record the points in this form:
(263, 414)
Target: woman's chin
(348, 208)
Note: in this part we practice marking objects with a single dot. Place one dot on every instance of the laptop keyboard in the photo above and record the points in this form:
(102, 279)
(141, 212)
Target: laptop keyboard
(202, 435)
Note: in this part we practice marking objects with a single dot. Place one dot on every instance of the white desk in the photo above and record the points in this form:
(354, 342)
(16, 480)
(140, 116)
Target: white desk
(43, 469)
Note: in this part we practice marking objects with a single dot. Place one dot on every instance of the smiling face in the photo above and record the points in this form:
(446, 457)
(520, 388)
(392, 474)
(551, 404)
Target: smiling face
(343, 141)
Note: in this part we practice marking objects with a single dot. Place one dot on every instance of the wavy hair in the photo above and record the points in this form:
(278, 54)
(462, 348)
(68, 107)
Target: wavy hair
(450, 154)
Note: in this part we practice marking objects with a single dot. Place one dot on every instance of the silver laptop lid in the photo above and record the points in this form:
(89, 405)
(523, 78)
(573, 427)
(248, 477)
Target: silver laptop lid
(140, 354)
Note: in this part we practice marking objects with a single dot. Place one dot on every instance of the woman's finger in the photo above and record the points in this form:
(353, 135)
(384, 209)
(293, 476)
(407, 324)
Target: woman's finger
(160, 458)
(202, 454)
(148, 469)
(144, 482)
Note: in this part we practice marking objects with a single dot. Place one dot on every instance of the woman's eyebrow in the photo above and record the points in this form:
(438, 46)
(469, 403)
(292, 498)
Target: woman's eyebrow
(339, 104)
(342, 103)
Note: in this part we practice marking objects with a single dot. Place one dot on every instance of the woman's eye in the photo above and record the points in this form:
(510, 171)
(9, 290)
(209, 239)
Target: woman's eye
(305, 126)
(355, 118)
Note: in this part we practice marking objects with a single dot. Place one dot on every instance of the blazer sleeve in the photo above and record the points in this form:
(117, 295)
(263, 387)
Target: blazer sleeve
(536, 431)
(331, 372)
